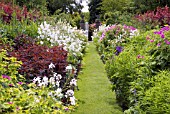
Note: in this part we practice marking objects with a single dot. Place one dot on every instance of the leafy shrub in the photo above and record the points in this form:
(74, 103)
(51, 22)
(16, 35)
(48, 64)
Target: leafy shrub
(158, 17)
(156, 99)
(112, 40)
(17, 96)
(36, 60)
(8, 12)
(16, 28)
(132, 71)
(72, 40)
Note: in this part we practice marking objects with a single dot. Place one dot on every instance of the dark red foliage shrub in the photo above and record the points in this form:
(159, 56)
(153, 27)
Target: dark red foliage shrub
(160, 16)
(7, 11)
(36, 58)
(23, 41)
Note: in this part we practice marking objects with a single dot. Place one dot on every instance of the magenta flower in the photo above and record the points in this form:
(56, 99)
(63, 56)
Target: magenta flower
(6, 76)
(11, 85)
(140, 57)
(66, 109)
(10, 102)
(20, 83)
(151, 41)
(17, 108)
(159, 44)
(167, 42)
(162, 35)
(147, 38)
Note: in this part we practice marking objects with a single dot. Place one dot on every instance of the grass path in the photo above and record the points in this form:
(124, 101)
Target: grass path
(95, 95)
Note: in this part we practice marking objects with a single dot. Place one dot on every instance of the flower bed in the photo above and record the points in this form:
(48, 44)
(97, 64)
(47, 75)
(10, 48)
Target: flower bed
(112, 40)
(139, 70)
(45, 79)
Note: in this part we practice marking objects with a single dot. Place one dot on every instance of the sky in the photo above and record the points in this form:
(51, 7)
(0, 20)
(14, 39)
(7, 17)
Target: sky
(85, 4)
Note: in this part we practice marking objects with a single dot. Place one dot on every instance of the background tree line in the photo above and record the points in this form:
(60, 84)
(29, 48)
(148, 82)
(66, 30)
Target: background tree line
(113, 11)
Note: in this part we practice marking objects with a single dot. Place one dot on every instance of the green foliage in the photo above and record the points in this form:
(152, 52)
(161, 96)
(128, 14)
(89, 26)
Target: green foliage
(66, 6)
(132, 71)
(156, 99)
(31, 4)
(20, 97)
(94, 9)
(16, 28)
(142, 6)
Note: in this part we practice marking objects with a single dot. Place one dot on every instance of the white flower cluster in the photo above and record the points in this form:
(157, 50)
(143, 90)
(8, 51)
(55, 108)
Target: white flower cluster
(45, 81)
(56, 94)
(70, 94)
(62, 34)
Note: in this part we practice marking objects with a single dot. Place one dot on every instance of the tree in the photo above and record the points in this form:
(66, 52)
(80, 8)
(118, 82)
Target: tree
(67, 6)
(142, 6)
(94, 8)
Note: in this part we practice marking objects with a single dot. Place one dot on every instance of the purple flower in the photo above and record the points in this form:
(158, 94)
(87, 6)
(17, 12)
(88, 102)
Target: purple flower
(20, 83)
(119, 49)
(5, 76)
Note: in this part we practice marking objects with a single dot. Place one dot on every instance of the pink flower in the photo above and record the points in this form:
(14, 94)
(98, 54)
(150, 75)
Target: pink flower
(162, 36)
(10, 102)
(147, 38)
(151, 41)
(6, 76)
(20, 83)
(66, 109)
(140, 57)
(167, 42)
(17, 108)
(11, 85)
(159, 44)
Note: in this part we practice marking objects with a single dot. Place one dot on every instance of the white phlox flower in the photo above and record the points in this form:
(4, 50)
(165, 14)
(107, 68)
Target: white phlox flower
(52, 81)
(73, 100)
(51, 66)
(37, 79)
(73, 82)
(58, 93)
(45, 81)
(69, 93)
